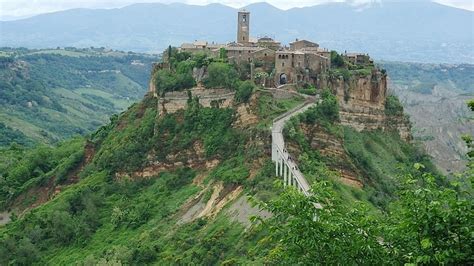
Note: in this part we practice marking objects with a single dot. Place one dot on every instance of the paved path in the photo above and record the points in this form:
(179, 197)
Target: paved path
(278, 144)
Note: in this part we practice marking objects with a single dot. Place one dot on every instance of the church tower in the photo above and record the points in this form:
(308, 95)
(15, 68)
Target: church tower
(243, 26)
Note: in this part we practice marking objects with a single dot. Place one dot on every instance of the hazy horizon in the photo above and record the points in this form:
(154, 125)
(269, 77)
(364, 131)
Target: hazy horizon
(21, 9)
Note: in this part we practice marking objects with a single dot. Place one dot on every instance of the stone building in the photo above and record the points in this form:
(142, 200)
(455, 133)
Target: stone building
(302, 61)
(358, 58)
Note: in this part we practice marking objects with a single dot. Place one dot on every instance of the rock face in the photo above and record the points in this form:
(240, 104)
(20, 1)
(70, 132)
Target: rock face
(331, 146)
(362, 103)
(176, 100)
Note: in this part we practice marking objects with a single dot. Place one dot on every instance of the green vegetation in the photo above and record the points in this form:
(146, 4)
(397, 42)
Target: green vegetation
(382, 156)
(426, 224)
(9, 135)
(133, 191)
(426, 219)
(102, 217)
(308, 89)
(166, 80)
(393, 106)
(337, 60)
(22, 169)
(50, 95)
(221, 75)
(244, 91)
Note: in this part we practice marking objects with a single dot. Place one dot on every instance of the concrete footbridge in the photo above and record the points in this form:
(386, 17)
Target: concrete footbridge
(285, 166)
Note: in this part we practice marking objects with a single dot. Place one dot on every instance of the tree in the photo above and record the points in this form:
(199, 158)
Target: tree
(334, 234)
(244, 91)
(221, 75)
(431, 224)
(336, 59)
(222, 54)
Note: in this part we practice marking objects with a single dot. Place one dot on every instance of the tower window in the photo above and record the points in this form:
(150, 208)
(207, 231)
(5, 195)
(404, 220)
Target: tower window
(244, 18)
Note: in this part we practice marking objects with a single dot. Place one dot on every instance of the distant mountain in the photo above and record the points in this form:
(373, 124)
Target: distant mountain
(405, 31)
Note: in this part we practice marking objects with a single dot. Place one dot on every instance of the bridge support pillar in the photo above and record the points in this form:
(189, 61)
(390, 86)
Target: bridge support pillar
(276, 167)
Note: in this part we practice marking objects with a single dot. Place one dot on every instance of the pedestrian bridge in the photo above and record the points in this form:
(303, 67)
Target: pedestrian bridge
(285, 166)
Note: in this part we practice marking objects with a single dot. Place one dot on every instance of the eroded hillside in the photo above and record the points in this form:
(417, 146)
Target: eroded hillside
(168, 181)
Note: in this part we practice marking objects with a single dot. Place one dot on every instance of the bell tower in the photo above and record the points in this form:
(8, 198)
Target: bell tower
(243, 26)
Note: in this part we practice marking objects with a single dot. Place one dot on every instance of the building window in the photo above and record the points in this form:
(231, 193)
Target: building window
(292, 64)
(244, 18)
(243, 38)
(265, 54)
(282, 64)
(299, 64)
(240, 52)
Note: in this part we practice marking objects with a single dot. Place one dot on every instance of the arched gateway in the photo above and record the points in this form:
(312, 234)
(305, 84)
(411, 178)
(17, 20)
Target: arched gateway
(283, 79)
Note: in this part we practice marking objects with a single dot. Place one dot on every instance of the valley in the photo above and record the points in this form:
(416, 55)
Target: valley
(50, 95)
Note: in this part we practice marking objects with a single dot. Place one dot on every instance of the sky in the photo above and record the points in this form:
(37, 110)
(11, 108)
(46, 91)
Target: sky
(16, 9)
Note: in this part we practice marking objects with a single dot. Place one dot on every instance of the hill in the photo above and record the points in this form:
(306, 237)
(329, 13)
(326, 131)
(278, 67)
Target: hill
(50, 95)
(434, 96)
(421, 31)
(171, 186)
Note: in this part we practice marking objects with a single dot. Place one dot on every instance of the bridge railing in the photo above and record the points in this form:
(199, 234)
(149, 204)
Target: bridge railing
(296, 174)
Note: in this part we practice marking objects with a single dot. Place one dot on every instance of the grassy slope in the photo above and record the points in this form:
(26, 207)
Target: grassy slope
(149, 231)
(136, 221)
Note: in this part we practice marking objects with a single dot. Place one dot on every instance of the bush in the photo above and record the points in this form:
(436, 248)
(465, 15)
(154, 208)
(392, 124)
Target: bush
(166, 80)
(308, 89)
(393, 106)
(221, 75)
(336, 59)
(244, 91)
(232, 171)
(326, 111)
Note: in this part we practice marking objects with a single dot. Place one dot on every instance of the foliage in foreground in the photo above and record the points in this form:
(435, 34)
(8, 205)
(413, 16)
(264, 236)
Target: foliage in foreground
(427, 224)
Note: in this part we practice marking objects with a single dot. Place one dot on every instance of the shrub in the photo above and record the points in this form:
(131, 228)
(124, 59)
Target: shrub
(336, 59)
(393, 106)
(166, 80)
(221, 75)
(244, 91)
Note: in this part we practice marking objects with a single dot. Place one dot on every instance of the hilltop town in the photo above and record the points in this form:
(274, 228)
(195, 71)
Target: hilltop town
(300, 62)
(302, 66)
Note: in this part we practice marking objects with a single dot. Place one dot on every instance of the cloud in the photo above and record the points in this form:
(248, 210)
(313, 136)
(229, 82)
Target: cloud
(25, 8)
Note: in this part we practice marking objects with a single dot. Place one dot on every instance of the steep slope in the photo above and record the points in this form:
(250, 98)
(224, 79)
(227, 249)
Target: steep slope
(435, 97)
(189, 207)
(50, 95)
(391, 30)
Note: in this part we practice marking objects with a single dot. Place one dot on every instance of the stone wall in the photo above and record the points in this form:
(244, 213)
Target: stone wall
(176, 100)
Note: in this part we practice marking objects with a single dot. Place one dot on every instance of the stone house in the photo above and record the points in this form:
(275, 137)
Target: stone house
(358, 58)
(303, 61)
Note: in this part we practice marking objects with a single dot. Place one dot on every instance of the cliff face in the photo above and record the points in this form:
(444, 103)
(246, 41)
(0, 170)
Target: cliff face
(362, 103)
